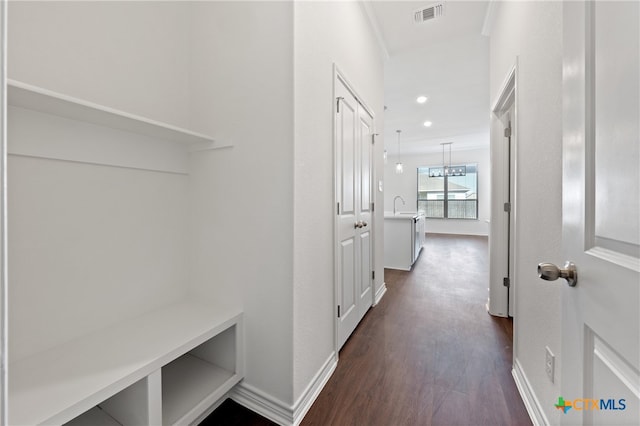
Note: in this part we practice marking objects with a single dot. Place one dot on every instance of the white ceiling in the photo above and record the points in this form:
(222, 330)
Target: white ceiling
(445, 59)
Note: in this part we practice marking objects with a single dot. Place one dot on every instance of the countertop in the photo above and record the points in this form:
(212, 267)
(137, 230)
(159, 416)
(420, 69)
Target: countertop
(401, 215)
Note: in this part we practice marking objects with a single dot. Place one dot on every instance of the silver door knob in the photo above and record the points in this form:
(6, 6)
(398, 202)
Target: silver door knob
(358, 224)
(364, 224)
(550, 272)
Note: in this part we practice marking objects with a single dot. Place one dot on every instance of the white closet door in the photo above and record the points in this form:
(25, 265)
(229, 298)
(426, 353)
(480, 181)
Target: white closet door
(353, 145)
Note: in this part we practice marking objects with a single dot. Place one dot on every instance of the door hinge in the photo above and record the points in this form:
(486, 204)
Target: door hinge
(373, 137)
(507, 207)
(373, 275)
(338, 311)
(338, 211)
(506, 281)
(507, 132)
(338, 99)
(373, 207)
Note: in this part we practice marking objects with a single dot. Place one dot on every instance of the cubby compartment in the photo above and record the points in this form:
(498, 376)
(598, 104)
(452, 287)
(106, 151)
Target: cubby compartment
(166, 367)
(94, 417)
(138, 404)
(197, 379)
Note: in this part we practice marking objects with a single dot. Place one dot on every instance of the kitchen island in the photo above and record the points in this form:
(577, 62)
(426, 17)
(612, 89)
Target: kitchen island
(403, 239)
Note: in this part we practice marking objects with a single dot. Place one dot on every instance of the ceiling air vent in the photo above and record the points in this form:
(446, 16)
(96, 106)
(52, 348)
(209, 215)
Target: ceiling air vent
(428, 13)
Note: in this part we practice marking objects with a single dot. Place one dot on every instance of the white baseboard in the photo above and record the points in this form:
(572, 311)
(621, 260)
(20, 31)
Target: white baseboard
(306, 400)
(276, 410)
(531, 403)
(262, 403)
(381, 291)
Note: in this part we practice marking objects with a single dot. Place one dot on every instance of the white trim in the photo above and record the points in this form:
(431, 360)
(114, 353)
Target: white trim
(507, 92)
(617, 365)
(375, 27)
(531, 403)
(308, 397)
(339, 75)
(4, 346)
(262, 403)
(506, 99)
(277, 411)
(620, 259)
(380, 293)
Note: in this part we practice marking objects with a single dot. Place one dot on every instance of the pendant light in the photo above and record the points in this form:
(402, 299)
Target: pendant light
(399, 166)
(447, 170)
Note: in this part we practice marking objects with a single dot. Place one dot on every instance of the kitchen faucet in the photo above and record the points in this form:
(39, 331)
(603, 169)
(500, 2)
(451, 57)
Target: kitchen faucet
(394, 203)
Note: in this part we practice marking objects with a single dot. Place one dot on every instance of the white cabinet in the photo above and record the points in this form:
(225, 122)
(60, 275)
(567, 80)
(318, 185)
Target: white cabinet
(403, 239)
(103, 326)
(418, 236)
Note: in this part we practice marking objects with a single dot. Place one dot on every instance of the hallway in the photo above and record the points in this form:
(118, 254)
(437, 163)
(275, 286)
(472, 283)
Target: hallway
(428, 353)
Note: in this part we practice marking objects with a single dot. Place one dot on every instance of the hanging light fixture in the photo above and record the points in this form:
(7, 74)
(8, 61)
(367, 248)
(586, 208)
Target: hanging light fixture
(399, 166)
(447, 170)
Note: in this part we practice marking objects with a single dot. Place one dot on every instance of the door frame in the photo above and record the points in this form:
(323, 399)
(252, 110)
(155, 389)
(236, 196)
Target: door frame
(502, 258)
(339, 76)
(4, 347)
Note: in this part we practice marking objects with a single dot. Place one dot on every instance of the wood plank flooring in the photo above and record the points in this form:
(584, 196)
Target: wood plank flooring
(428, 354)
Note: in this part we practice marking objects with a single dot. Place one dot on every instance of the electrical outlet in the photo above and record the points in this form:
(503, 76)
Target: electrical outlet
(549, 363)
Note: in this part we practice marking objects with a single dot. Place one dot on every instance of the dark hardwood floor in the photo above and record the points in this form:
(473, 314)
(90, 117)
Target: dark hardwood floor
(429, 353)
(230, 413)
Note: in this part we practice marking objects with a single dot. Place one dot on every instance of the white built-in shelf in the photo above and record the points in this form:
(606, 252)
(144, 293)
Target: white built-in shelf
(35, 98)
(94, 417)
(57, 385)
(187, 384)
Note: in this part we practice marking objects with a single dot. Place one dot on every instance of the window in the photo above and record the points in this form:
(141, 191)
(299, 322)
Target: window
(448, 197)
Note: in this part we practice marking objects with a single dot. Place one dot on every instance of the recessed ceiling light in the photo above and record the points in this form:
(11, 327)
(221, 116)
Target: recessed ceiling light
(427, 124)
(421, 99)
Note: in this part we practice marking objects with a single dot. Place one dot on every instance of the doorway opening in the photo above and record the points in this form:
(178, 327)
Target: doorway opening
(503, 205)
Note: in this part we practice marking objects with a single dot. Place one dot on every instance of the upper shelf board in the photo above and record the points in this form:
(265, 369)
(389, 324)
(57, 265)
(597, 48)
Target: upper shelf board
(43, 100)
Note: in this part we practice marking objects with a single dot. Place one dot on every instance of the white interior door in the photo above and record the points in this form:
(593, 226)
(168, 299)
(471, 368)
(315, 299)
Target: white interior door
(601, 229)
(353, 196)
(365, 158)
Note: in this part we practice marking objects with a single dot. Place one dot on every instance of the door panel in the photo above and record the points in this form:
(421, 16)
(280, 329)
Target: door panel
(365, 160)
(601, 320)
(615, 123)
(348, 156)
(349, 292)
(365, 274)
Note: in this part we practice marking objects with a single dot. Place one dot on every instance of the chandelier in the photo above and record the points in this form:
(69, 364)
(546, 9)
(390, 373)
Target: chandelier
(447, 169)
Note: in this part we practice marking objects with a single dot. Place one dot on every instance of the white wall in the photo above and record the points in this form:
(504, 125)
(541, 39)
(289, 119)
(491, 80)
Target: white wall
(131, 56)
(79, 239)
(406, 185)
(242, 197)
(532, 32)
(325, 33)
